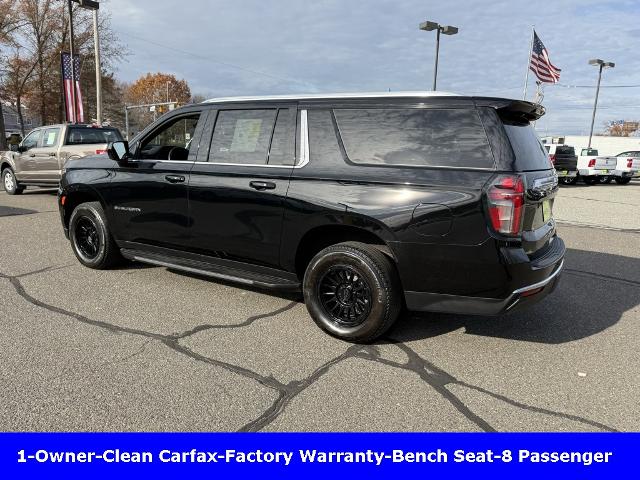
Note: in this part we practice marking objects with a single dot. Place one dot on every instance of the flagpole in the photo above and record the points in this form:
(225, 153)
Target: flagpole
(526, 73)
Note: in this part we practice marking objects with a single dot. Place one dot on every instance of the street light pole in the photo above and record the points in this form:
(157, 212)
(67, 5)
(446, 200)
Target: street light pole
(74, 116)
(447, 30)
(601, 66)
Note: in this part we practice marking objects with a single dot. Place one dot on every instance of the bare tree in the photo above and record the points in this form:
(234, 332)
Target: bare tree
(8, 23)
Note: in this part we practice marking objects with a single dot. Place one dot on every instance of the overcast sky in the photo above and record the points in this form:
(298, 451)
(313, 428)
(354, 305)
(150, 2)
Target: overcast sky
(245, 47)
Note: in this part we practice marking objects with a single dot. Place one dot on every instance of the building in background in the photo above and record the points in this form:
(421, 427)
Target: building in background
(12, 121)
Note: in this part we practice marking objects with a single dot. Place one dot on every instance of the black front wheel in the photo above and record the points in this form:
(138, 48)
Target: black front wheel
(352, 291)
(90, 238)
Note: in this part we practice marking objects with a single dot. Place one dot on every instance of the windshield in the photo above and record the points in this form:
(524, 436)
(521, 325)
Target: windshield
(88, 135)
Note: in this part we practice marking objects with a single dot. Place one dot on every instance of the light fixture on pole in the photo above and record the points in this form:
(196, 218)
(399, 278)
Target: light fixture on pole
(447, 30)
(94, 6)
(602, 65)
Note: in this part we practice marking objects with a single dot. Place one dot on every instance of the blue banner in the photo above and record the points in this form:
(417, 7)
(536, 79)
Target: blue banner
(282, 455)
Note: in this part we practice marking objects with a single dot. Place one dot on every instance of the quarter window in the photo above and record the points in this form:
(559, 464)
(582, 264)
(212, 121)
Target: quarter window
(415, 137)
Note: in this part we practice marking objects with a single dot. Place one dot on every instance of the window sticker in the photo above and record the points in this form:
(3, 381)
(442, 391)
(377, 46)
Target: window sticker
(51, 138)
(246, 135)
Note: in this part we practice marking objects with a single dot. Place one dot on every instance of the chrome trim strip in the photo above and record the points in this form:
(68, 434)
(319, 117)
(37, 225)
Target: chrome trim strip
(541, 283)
(329, 96)
(304, 140)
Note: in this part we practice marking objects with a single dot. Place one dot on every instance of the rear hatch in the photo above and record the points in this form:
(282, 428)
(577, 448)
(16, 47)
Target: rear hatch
(628, 163)
(565, 159)
(531, 162)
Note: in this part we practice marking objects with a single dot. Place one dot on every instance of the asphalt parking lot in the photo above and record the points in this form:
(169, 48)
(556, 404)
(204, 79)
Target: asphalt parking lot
(145, 348)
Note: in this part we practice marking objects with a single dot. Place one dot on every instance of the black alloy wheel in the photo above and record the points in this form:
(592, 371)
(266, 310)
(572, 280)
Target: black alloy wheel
(87, 238)
(345, 295)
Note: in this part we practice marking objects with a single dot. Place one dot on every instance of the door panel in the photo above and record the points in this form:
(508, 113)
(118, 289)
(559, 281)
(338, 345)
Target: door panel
(26, 165)
(149, 194)
(46, 158)
(236, 199)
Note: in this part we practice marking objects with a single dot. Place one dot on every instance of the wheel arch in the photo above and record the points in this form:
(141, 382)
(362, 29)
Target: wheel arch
(322, 236)
(76, 195)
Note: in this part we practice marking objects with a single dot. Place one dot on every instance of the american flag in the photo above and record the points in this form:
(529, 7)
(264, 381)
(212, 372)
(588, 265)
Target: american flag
(540, 63)
(78, 115)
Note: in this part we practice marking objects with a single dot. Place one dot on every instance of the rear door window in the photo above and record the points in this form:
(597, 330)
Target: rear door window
(414, 137)
(529, 152)
(242, 136)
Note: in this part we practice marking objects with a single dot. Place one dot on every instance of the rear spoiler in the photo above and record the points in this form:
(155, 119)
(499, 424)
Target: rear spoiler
(517, 111)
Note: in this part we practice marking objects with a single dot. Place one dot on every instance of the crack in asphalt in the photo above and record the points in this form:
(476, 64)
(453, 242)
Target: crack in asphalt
(435, 377)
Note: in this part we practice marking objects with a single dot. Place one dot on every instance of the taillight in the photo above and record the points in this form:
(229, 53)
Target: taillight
(630, 163)
(100, 152)
(592, 163)
(552, 158)
(506, 204)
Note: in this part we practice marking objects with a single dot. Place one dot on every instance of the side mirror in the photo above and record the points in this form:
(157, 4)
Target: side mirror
(119, 151)
(13, 147)
(22, 148)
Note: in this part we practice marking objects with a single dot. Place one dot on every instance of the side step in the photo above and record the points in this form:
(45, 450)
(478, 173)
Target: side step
(210, 269)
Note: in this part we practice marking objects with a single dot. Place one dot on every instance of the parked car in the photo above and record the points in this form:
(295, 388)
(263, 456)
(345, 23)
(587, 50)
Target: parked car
(593, 168)
(565, 161)
(41, 156)
(628, 165)
(366, 203)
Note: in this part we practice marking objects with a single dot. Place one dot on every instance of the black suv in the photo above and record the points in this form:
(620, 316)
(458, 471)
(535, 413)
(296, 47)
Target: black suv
(367, 203)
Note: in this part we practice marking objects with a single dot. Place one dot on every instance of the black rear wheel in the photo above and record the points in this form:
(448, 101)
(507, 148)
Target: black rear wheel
(568, 180)
(605, 179)
(352, 291)
(590, 180)
(623, 180)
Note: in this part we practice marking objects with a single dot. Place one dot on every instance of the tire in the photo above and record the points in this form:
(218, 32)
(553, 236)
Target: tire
(9, 182)
(590, 180)
(605, 179)
(568, 180)
(330, 280)
(90, 238)
(622, 180)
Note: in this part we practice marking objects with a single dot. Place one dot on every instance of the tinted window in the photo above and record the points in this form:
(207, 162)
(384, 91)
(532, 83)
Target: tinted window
(417, 137)
(172, 141)
(87, 135)
(323, 144)
(565, 150)
(547, 148)
(628, 154)
(529, 152)
(50, 138)
(242, 136)
(282, 151)
(31, 140)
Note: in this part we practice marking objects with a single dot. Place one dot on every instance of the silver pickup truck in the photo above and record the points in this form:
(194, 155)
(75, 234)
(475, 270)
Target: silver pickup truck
(40, 157)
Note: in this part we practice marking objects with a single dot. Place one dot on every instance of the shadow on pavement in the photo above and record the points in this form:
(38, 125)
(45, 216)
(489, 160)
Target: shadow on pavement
(6, 211)
(594, 291)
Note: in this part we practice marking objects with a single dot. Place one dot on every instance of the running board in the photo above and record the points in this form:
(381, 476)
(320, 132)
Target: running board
(222, 272)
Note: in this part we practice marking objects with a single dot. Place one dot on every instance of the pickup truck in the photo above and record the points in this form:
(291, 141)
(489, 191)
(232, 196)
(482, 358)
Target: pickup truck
(39, 159)
(628, 165)
(593, 168)
(563, 157)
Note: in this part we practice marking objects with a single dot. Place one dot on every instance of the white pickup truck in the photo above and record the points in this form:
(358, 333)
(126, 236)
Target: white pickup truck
(628, 165)
(40, 157)
(593, 168)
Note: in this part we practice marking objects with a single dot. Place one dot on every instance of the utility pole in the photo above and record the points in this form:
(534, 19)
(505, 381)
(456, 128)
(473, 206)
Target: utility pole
(74, 116)
(96, 40)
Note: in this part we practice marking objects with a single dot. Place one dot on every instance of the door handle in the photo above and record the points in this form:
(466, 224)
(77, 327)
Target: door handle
(52, 154)
(262, 185)
(32, 154)
(174, 178)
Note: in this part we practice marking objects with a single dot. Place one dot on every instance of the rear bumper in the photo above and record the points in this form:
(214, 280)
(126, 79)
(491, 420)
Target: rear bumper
(539, 279)
(624, 173)
(589, 172)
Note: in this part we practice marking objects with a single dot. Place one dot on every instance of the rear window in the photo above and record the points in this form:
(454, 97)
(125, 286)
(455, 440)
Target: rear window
(415, 137)
(529, 152)
(565, 150)
(87, 135)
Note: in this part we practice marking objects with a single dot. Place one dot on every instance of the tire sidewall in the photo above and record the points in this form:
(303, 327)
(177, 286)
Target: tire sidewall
(379, 298)
(89, 211)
